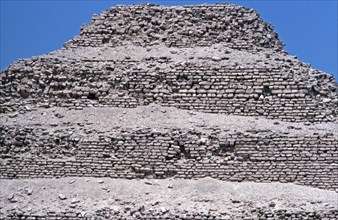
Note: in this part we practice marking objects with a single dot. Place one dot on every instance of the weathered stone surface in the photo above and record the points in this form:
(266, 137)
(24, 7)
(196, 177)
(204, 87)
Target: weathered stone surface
(165, 93)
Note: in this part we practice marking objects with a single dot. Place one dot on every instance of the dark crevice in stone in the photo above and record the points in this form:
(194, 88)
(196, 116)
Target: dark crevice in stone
(170, 173)
(185, 153)
(266, 91)
(91, 96)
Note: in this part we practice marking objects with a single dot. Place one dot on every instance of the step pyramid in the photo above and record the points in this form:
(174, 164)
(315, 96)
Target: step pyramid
(169, 112)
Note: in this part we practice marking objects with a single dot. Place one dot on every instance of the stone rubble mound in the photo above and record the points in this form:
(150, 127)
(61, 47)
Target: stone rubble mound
(207, 198)
(199, 25)
(169, 112)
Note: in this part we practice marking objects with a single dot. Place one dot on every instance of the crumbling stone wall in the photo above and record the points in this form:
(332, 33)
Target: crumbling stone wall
(271, 86)
(260, 213)
(187, 26)
(272, 92)
(220, 59)
(263, 157)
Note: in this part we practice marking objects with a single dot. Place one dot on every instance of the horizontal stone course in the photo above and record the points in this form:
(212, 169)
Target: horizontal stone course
(223, 90)
(262, 157)
(262, 213)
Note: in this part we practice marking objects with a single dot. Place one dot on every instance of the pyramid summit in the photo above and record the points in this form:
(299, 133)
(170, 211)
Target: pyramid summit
(200, 25)
(161, 112)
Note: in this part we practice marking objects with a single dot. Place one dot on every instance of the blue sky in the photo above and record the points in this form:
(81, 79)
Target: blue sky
(30, 28)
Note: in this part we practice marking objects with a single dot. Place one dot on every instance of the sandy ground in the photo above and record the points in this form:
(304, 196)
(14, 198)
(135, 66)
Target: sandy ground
(99, 120)
(224, 55)
(202, 195)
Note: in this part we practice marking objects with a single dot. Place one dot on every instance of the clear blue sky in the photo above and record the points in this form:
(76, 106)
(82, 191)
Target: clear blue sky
(30, 28)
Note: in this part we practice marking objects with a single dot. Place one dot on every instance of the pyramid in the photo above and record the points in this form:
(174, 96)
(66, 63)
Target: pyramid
(169, 112)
